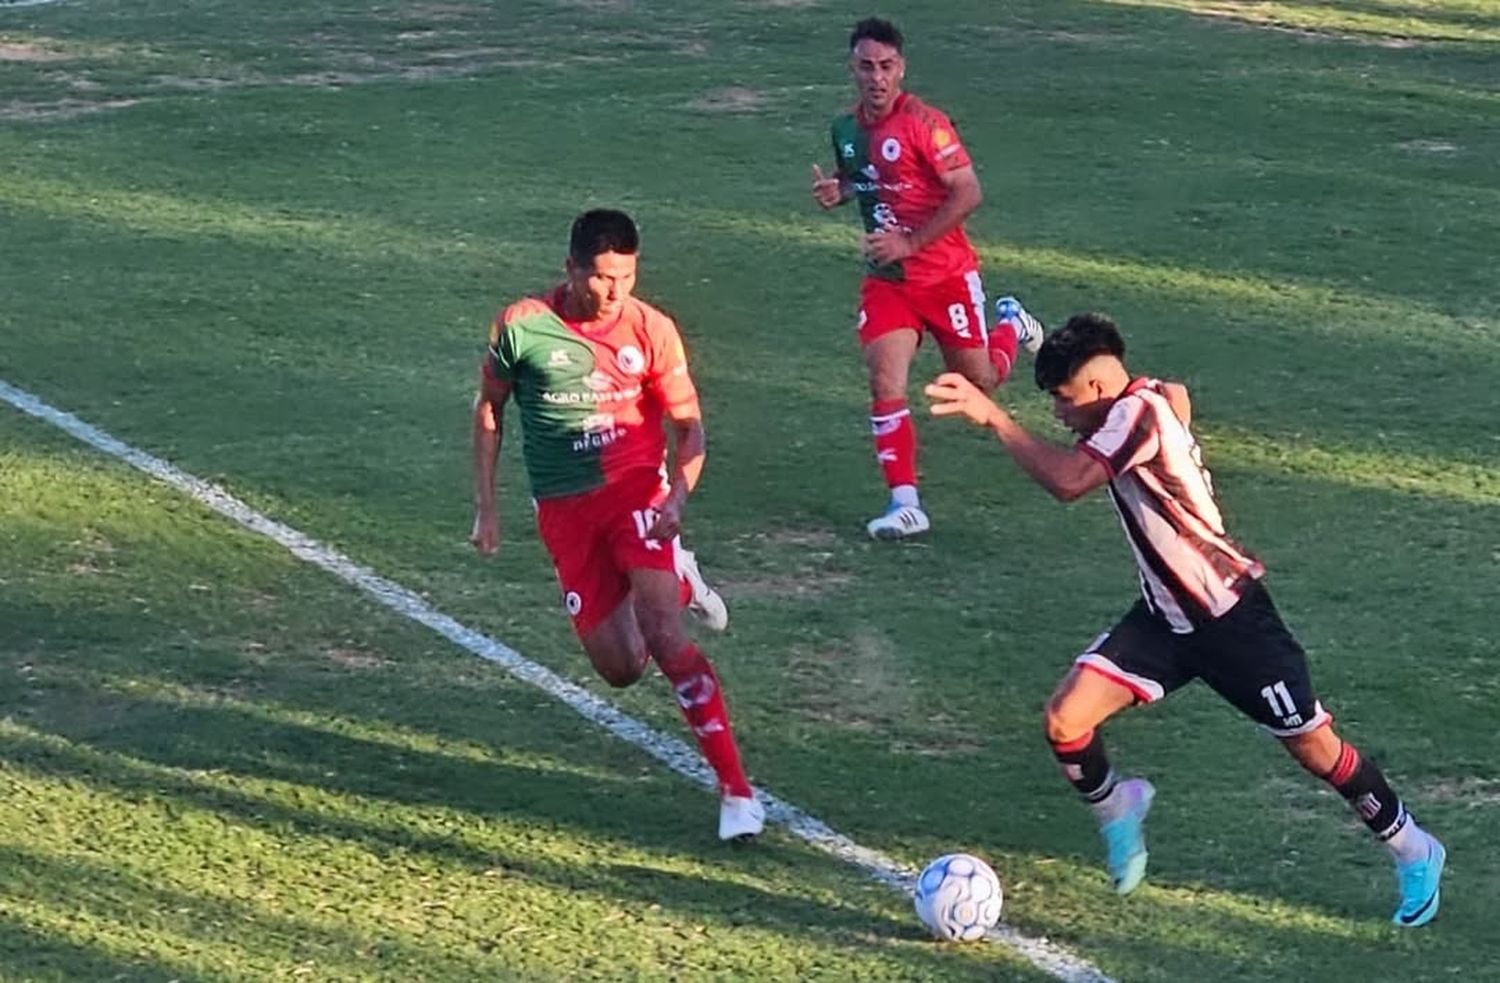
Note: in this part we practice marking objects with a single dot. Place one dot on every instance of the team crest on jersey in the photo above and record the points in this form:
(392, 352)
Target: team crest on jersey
(891, 149)
(630, 360)
(573, 602)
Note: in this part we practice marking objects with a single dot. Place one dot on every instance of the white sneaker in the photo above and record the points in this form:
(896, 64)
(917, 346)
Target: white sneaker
(899, 522)
(740, 818)
(1029, 331)
(706, 604)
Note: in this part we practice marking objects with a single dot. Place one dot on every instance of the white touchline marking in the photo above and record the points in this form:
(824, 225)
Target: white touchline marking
(670, 751)
(4, 4)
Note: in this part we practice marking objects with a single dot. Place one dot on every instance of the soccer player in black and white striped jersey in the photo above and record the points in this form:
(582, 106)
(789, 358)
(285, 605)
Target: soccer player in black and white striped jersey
(1203, 612)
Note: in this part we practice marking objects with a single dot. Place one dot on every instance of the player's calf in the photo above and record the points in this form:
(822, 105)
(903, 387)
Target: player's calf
(1418, 855)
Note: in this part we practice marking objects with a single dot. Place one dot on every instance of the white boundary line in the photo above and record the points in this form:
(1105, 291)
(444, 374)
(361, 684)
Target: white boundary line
(8, 4)
(670, 751)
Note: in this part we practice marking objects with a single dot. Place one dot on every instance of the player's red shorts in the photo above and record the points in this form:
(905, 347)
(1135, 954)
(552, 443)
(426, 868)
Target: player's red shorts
(596, 537)
(952, 309)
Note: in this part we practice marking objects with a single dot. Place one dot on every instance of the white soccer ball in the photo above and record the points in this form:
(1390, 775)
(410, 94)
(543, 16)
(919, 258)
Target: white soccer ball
(958, 897)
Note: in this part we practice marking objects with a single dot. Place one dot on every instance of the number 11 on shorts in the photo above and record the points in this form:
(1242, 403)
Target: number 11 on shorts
(1280, 699)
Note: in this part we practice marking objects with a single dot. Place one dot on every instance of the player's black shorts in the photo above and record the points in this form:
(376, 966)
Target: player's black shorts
(1248, 656)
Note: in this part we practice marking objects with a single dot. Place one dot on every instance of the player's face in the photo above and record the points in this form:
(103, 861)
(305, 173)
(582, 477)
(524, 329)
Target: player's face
(1080, 404)
(602, 288)
(877, 69)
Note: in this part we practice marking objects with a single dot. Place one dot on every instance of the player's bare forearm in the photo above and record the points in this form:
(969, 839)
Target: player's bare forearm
(690, 451)
(1065, 472)
(486, 442)
(486, 453)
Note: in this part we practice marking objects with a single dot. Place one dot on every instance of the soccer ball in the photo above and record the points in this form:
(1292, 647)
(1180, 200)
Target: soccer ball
(958, 898)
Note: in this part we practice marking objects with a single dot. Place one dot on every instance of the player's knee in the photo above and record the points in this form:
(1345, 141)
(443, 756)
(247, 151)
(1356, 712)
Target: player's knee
(1317, 751)
(621, 673)
(1061, 726)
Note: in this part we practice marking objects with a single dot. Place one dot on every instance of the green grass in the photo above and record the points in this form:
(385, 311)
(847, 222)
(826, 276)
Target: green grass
(270, 255)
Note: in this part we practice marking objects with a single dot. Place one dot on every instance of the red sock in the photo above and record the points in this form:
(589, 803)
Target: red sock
(702, 703)
(895, 441)
(1003, 344)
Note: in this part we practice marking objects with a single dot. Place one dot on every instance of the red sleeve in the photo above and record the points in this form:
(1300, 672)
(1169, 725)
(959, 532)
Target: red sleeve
(668, 377)
(939, 142)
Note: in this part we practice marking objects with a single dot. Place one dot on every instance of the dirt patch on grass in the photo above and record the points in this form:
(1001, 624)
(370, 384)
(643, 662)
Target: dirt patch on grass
(855, 685)
(353, 658)
(1428, 146)
(1472, 792)
(12, 51)
(734, 99)
(59, 109)
(797, 586)
(1234, 18)
(820, 539)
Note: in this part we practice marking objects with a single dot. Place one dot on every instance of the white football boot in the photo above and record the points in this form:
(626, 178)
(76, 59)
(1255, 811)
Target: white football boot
(706, 604)
(740, 818)
(1029, 331)
(899, 522)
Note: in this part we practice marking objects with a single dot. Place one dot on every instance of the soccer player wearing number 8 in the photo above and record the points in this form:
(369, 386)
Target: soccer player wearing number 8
(903, 162)
(595, 374)
(1203, 614)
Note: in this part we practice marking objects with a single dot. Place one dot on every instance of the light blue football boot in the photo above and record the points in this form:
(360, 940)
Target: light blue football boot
(1419, 882)
(1125, 836)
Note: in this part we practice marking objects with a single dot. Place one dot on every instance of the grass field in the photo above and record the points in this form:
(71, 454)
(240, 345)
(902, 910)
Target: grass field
(263, 240)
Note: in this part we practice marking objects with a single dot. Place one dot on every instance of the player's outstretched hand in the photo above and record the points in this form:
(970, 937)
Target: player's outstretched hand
(486, 534)
(951, 394)
(825, 190)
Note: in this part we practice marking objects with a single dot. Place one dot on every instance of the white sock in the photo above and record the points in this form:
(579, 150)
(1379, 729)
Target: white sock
(1409, 843)
(1112, 806)
(906, 496)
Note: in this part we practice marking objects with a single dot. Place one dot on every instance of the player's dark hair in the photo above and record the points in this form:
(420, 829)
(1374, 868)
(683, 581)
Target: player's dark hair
(602, 230)
(1070, 347)
(876, 29)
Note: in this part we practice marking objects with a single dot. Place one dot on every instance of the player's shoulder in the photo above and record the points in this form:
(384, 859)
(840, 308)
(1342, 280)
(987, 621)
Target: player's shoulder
(916, 111)
(650, 318)
(524, 309)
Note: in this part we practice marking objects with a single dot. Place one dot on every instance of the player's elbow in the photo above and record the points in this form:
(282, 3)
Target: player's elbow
(1069, 491)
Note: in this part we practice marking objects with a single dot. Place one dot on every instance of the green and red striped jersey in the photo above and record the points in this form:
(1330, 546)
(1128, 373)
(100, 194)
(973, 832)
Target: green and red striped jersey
(895, 167)
(592, 397)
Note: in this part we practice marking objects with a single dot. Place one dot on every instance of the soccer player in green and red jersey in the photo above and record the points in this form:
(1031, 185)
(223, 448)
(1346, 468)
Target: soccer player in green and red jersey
(903, 161)
(600, 378)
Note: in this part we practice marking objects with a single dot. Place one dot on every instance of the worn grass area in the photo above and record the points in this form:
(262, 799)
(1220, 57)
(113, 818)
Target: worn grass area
(263, 240)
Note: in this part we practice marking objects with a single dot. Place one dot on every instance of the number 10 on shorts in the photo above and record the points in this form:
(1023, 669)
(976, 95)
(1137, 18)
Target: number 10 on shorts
(644, 520)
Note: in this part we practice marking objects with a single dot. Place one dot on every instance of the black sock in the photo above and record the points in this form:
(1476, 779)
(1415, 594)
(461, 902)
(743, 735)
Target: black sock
(1367, 792)
(1086, 766)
